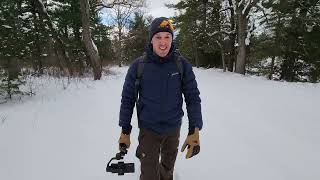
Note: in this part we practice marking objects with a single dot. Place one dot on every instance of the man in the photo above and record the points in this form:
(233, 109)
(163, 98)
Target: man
(159, 107)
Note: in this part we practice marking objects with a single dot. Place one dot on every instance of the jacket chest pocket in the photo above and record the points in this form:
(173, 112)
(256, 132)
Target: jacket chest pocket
(174, 82)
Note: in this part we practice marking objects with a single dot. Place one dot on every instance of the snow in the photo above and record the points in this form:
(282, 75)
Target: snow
(240, 3)
(25, 15)
(247, 40)
(94, 46)
(226, 38)
(25, 29)
(198, 22)
(54, 5)
(6, 26)
(310, 27)
(260, 6)
(253, 129)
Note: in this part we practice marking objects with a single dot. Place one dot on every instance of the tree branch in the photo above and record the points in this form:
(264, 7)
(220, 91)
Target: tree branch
(125, 3)
(249, 6)
(225, 9)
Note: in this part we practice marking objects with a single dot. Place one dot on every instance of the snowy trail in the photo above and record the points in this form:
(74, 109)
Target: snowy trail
(253, 129)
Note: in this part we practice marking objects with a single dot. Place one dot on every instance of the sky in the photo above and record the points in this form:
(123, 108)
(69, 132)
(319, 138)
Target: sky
(254, 129)
(158, 9)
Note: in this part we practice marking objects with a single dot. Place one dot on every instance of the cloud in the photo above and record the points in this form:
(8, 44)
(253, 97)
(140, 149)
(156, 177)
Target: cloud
(157, 8)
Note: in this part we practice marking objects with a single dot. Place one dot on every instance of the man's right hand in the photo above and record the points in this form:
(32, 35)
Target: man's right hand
(124, 141)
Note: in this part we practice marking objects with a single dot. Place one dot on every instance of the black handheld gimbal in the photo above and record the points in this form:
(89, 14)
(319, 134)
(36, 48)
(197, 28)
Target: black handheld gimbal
(121, 168)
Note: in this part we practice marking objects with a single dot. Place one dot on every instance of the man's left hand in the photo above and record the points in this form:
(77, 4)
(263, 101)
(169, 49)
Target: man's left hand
(193, 143)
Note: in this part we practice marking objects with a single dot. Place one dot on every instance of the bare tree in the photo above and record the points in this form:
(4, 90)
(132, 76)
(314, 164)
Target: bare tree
(121, 17)
(242, 10)
(91, 48)
(112, 3)
(232, 38)
(85, 17)
(239, 32)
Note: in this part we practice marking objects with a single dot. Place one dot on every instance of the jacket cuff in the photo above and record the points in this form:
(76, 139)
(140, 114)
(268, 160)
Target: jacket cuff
(191, 130)
(126, 129)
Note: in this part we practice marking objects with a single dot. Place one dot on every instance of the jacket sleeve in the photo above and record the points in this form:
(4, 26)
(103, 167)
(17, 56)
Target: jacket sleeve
(191, 96)
(128, 99)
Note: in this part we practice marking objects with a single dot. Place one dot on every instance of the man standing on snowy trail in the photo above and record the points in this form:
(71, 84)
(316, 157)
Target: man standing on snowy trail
(156, 82)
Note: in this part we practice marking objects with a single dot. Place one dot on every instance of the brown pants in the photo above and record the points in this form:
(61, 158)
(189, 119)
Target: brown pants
(153, 145)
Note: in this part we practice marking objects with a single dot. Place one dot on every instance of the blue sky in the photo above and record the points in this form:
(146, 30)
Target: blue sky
(156, 8)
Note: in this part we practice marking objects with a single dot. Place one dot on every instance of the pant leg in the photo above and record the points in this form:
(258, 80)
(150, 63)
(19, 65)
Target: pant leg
(148, 152)
(169, 151)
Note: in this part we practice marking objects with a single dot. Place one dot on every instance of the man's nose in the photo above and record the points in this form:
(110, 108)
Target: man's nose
(162, 42)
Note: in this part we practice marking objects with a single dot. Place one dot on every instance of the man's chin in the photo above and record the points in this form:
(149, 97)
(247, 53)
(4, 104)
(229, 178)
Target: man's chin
(162, 54)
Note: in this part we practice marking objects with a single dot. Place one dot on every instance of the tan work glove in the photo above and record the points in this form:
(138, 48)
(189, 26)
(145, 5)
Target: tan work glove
(193, 143)
(124, 141)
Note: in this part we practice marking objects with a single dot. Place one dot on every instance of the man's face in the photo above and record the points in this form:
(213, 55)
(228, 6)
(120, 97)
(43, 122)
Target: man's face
(161, 43)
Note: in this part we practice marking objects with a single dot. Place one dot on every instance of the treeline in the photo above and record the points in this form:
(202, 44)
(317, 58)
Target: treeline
(275, 38)
(65, 38)
(278, 39)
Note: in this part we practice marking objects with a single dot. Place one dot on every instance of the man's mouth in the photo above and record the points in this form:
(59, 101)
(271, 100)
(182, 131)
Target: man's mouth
(163, 47)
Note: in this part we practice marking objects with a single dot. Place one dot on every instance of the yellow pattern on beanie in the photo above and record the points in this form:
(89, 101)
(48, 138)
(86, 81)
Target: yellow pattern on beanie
(167, 24)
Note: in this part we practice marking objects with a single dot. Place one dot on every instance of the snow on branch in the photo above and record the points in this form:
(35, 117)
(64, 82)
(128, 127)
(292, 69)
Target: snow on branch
(245, 8)
(6, 26)
(247, 40)
(44, 11)
(25, 15)
(240, 3)
(54, 5)
(248, 7)
(261, 8)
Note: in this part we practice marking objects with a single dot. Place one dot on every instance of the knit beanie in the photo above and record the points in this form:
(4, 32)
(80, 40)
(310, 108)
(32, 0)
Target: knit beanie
(160, 24)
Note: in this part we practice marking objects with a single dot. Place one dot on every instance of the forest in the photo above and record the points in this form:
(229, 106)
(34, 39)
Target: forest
(277, 39)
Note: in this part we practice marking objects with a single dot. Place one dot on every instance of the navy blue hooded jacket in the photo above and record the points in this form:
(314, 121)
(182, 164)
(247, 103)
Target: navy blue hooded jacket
(160, 94)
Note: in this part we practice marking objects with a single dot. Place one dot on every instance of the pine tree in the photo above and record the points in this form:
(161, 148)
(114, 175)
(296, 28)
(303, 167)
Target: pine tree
(137, 37)
(13, 47)
(292, 31)
(197, 26)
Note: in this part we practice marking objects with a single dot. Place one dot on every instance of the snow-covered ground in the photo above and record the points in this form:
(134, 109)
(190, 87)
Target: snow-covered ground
(254, 129)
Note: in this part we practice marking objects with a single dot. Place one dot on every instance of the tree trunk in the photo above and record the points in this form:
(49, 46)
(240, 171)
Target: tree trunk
(205, 4)
(242, 19)
(232, 54)
(271, 67)
(37, 60)
(196, 54)
(242, 33)
(119, 44)
(223, 59)
(89, 44)
(81, 61)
